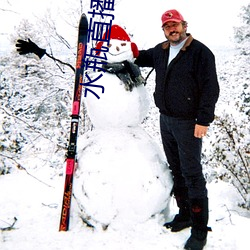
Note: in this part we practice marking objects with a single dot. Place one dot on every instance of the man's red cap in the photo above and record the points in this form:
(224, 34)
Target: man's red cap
(171, 16)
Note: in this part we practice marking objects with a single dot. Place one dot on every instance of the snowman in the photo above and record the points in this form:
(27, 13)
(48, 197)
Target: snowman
(122, 178)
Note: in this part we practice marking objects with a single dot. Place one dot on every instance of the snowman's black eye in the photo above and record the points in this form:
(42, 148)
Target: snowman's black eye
(109, 45)
(123, 44)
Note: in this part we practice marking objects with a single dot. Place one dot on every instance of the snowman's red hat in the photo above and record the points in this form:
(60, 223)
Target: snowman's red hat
(117, 32)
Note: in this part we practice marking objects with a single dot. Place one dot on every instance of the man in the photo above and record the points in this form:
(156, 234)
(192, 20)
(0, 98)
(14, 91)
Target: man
(186, 93)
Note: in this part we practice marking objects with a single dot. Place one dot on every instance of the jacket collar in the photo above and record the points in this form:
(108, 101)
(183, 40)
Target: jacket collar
(166, 44)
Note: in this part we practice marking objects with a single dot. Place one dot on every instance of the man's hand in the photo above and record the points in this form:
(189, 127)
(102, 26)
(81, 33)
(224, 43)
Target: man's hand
(200, 131)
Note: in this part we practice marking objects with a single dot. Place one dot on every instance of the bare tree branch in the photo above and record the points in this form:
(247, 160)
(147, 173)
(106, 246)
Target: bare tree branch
(19, 166)
(10, 227)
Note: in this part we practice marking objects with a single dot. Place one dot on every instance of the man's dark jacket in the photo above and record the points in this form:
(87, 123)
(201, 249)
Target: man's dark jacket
(187, 88)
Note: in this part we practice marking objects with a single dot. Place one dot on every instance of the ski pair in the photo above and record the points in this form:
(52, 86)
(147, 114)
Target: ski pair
(71, 160)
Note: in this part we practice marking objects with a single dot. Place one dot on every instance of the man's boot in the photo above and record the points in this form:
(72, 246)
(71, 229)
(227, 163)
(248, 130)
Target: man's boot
(182, 219)
(199, 215)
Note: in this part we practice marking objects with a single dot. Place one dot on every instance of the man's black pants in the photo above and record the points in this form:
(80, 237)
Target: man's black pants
(183, 152)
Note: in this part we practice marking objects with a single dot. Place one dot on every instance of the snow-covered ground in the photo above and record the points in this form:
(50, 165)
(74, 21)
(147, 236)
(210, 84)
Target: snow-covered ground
(37, 208)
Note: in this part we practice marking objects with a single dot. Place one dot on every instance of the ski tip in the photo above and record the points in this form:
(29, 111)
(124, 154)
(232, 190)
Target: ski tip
(83, 24)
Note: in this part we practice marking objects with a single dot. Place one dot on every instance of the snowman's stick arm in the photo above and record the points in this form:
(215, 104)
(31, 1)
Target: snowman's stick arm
(57, 60)
(149, 73)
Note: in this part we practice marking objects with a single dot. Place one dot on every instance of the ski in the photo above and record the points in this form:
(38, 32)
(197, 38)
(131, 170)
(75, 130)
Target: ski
(71, 160)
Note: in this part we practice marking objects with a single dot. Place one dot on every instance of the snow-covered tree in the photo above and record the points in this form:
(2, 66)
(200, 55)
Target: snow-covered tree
(242, 33)
(230, 155)
(35, 103)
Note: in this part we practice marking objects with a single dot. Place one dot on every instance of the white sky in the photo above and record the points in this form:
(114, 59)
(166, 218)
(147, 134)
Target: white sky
(209, 21)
